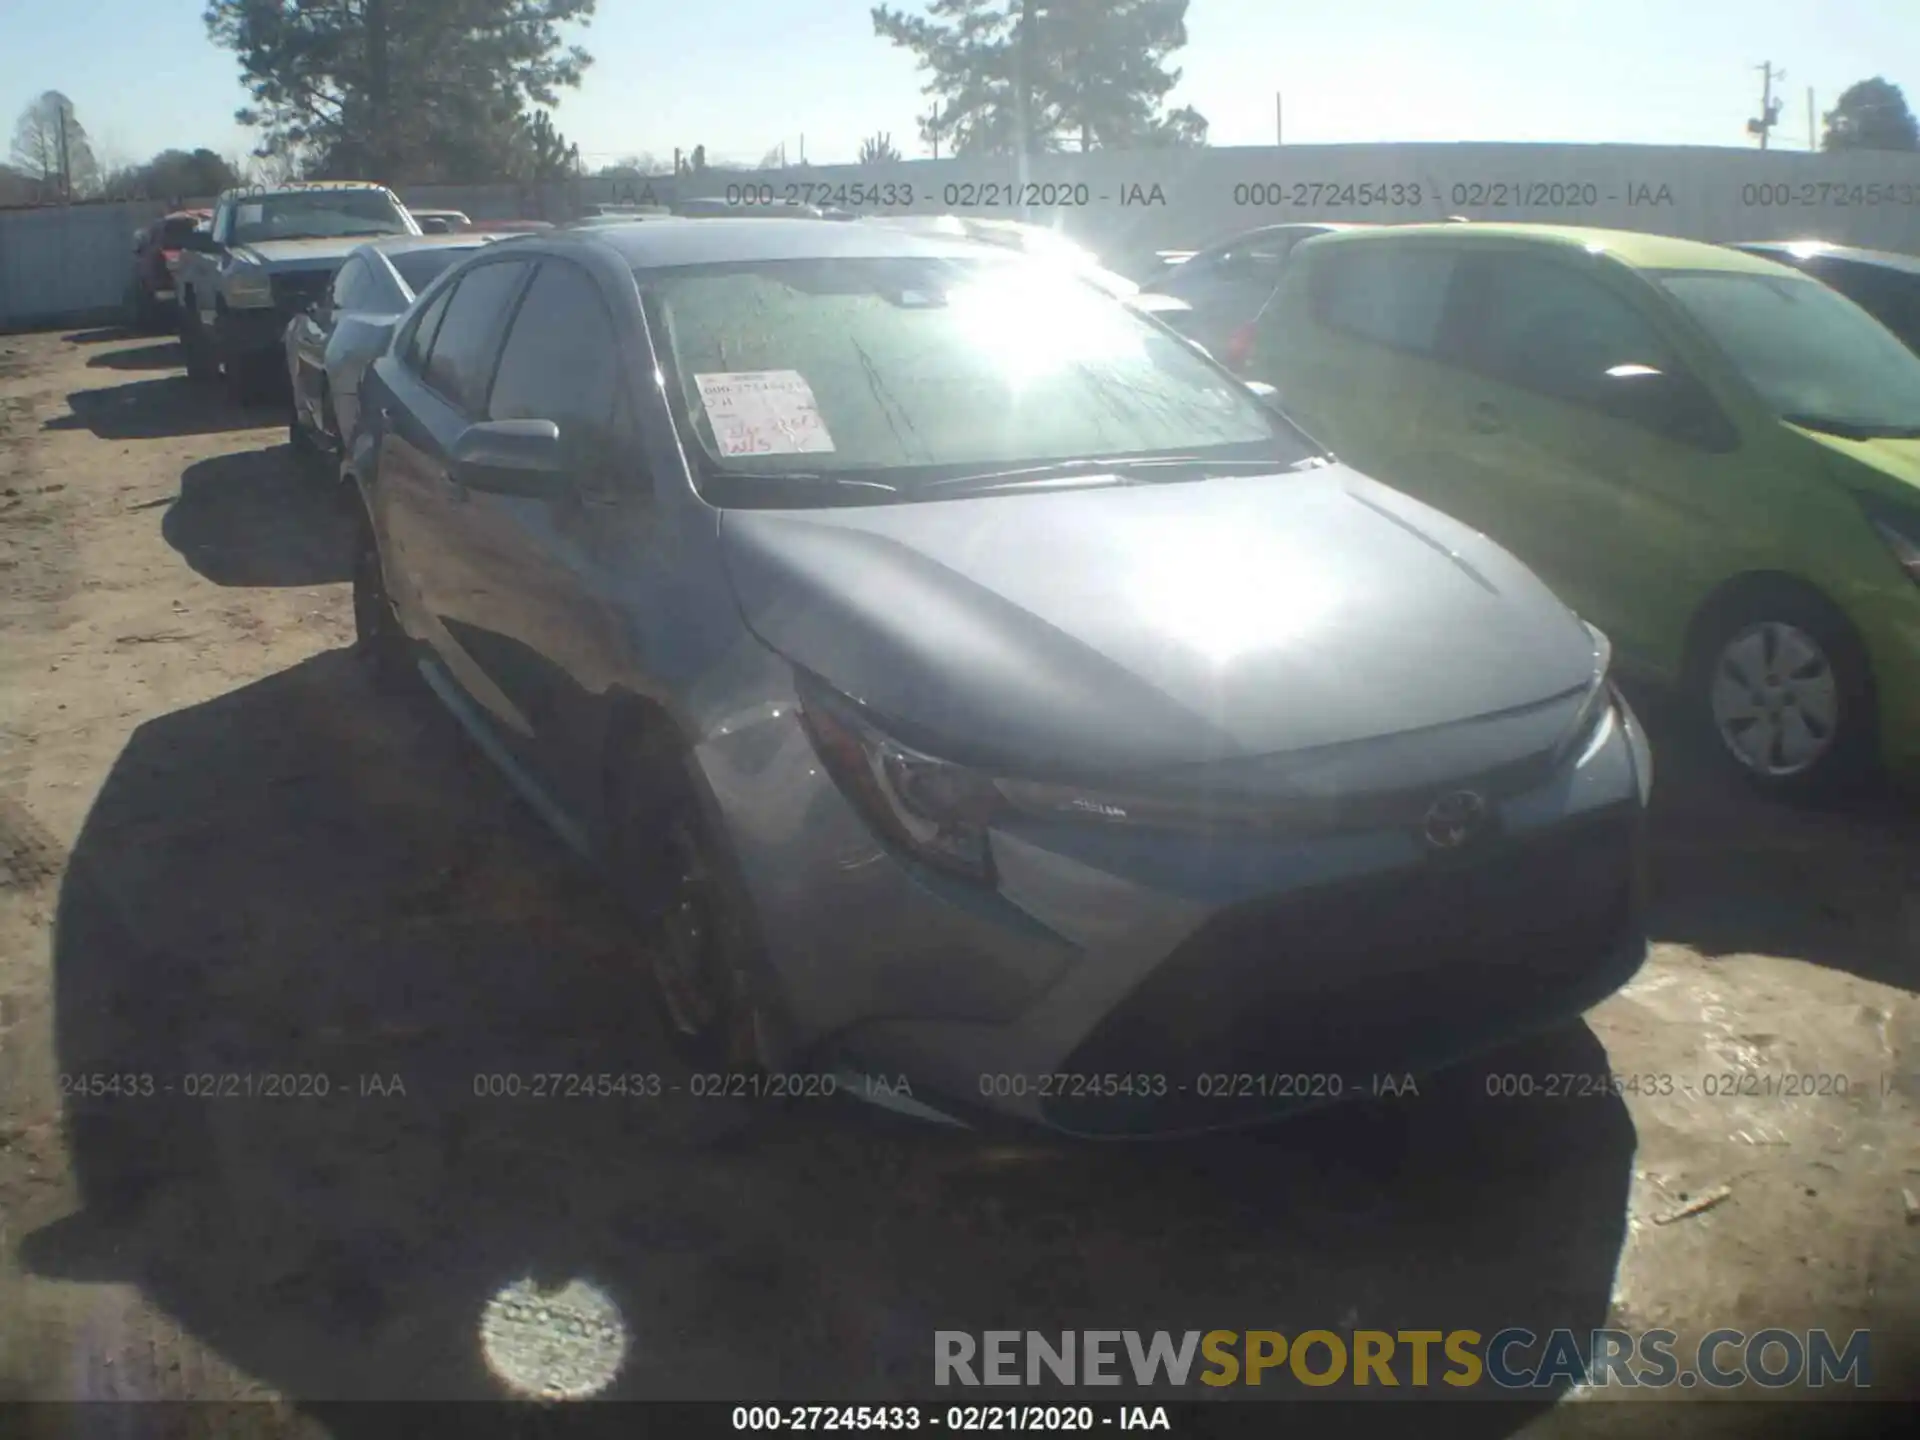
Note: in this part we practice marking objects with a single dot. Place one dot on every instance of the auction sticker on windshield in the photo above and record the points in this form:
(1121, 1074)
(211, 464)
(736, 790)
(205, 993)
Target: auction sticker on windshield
(763, 412)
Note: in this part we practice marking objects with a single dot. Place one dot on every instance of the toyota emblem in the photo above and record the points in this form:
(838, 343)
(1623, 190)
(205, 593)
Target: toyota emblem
(1454, 819)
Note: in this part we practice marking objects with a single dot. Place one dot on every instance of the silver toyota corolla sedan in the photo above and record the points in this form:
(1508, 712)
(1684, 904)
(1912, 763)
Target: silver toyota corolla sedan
(332, 341)
(968, 681)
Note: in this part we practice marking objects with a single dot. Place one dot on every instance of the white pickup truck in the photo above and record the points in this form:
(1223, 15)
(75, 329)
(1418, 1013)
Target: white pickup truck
(269, 253)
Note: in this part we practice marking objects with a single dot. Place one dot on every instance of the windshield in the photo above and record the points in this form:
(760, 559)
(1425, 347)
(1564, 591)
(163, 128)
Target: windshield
(320, 214)
(1815, 357)
(912, 372)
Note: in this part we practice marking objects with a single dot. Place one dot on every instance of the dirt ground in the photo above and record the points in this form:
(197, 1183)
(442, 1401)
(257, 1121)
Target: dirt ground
(224, 853)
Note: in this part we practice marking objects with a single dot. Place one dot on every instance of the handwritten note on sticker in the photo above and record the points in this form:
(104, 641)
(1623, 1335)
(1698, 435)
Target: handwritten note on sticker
(763, 412)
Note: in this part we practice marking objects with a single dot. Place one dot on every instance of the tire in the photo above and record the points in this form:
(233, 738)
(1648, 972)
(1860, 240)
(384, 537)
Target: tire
(194, 343)
(299, 438)
(377, 636)
(143, 315)
(676, 886)
(673, 878)
(246, 385)
(1781, 684)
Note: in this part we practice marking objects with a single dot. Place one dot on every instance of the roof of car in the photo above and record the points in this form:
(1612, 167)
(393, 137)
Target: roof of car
(1809, 249)
(672, 241)
(403, 244)
(1642, 251)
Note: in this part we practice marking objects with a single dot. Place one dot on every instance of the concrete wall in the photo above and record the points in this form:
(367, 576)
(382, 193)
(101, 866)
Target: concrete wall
(61, 266)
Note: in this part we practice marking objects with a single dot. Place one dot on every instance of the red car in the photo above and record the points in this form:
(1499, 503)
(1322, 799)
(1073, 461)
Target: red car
(156, 248)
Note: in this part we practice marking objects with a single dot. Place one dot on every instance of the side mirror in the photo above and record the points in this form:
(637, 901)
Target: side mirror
(510, 457)
(435, 225)
(1262, 389)
(200, 240)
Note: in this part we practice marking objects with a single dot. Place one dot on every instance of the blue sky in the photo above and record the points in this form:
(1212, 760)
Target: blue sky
(741, 76)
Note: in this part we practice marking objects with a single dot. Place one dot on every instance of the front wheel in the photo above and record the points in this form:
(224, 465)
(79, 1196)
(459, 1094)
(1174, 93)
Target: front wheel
(1783, 683)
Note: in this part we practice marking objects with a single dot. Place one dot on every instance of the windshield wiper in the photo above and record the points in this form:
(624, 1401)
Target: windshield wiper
(1135, 469)
(1853, 429)
(807, 477)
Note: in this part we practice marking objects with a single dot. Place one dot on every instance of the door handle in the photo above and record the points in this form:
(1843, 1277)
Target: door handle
(1484, 419)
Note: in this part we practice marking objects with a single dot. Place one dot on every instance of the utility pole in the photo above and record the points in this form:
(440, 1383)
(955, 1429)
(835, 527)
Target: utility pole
(1278, 131)
(66, 175)
(933, 129)
(1769, 107)
(1813, 140)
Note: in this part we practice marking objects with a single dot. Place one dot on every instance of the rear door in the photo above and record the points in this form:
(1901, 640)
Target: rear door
(434, 390)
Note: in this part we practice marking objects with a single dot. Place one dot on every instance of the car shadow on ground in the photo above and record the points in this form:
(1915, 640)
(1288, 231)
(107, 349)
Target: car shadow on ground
(152, 409)
(1835, 884)
(159, 355)
(300, 880)
(101, 334)
(262, 518)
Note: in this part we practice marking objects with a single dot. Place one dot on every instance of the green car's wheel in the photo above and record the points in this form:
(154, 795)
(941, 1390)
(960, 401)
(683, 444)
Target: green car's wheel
(1783, 682)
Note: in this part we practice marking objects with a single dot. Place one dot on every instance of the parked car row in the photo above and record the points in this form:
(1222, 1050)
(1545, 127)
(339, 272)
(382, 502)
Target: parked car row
(959, 670)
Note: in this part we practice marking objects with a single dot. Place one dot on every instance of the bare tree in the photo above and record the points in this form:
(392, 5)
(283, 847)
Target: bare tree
(50, 147)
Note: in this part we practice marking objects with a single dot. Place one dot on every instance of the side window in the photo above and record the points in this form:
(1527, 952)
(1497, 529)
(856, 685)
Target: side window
(1393, 295)
(561, 362)
(349, 286)
(461, 361)
(1544, 326)
(413, 349)
(1541, 325)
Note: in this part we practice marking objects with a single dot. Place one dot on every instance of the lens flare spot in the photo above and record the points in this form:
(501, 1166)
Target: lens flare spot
(565, 1344)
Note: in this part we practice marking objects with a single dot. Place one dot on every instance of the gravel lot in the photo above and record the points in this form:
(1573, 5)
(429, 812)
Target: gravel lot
(223, 853)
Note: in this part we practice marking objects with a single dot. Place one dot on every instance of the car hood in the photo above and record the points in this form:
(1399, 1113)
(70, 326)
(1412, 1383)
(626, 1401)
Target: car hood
(299, 254)
(1113, 629)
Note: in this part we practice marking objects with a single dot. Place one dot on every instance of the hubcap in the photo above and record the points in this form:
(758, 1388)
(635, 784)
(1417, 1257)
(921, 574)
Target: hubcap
(685, 961)
(1775, 699)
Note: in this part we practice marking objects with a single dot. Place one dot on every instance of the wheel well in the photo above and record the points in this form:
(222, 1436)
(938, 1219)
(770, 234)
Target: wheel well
(1743, 591)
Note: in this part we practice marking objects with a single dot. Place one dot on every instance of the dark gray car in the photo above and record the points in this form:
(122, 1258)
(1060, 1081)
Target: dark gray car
(965, 679)
(1226, 285)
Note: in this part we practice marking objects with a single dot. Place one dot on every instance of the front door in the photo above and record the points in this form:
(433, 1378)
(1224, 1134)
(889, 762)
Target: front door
(1617, 502)
(535, 611)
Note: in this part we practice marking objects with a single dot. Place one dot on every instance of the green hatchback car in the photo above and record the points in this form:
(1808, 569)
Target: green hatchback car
(1712, 457)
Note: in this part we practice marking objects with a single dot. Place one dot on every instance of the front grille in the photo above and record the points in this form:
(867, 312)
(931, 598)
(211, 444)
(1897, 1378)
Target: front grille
(293, 290)
(1381, 975)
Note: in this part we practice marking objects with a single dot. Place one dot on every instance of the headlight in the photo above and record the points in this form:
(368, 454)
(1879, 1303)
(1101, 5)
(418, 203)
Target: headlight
(1901, 531)
(1594, 724)
(935, 811)
(249, 287)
